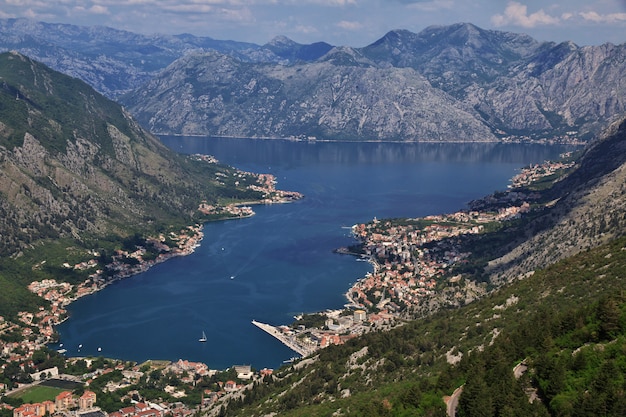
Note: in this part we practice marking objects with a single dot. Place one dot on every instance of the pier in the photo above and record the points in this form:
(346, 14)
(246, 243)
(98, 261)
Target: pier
(289, 341)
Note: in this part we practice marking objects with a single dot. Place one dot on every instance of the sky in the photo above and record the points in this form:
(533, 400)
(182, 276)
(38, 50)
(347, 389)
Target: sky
(339, 22)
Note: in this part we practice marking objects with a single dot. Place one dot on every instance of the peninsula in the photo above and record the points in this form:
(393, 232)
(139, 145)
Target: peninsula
(417, 264)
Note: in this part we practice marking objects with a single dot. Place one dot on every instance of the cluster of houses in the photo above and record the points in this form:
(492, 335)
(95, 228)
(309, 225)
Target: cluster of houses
(65, 402)
(138, 410)
(538, 171)
(406, 263)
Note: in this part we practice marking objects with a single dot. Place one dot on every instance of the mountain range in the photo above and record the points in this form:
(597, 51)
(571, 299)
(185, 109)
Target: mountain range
(446, 83)
(114, 61)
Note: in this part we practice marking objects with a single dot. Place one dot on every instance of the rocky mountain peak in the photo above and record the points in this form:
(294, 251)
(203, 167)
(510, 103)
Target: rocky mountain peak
(346, 56)
(511, 83)
(281, 41)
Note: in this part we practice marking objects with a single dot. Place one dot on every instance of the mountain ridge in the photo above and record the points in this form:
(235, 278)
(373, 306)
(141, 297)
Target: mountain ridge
(249, 100)
(115, 61)
(515, 87)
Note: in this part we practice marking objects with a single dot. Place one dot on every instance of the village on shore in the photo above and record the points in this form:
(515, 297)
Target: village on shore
(410, 258)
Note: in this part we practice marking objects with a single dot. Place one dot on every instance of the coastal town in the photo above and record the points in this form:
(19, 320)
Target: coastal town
(411, 263)
(412, 260)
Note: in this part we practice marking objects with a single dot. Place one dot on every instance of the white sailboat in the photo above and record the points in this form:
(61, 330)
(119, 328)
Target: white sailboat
(203, 338)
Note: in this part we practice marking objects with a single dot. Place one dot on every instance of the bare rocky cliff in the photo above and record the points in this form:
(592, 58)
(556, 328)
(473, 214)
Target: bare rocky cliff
(338, 98)
(588, 209)
(445, 83)
(453, 83)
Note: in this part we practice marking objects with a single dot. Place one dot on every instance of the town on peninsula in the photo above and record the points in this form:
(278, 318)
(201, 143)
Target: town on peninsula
(413, 271)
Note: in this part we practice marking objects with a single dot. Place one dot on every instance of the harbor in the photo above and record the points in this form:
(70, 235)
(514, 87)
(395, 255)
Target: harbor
(288, 340)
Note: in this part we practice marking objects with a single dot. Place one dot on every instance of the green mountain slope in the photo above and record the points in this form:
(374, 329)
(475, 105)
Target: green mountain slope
(74, 166)
(567, 323)
(561, 313)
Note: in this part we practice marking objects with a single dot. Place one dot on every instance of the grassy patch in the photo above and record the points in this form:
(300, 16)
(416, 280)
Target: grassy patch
(39, 393)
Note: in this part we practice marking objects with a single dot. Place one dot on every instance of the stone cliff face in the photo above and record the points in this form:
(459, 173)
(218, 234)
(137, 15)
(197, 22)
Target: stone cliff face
(454, 83)
(115, 61)
(564, 87)
(216, 95)
(588, 210)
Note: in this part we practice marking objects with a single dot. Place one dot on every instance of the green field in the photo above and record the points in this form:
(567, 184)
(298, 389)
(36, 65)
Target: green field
(38, 394)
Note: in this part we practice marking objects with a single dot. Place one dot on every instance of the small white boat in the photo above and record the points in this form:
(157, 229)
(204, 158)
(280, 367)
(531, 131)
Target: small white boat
(203, 338)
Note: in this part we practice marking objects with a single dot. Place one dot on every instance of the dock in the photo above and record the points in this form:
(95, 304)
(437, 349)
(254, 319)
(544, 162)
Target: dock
(289, 341)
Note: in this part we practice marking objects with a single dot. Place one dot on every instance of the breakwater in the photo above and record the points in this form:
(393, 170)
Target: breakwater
(288, 340)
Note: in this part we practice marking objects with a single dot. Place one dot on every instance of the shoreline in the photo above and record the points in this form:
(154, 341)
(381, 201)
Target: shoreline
(94, 284)
(290, 342)
(504, 141)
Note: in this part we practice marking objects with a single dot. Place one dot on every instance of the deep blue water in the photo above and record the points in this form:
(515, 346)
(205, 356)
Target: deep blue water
(281, 260)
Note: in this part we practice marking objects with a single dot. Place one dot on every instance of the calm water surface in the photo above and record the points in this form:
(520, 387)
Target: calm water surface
(280, 263)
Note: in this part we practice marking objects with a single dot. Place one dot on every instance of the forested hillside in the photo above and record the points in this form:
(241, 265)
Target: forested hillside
(548, 340)
(566, 324)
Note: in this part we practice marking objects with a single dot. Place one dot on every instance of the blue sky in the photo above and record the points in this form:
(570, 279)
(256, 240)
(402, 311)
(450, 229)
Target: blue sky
(339, 22)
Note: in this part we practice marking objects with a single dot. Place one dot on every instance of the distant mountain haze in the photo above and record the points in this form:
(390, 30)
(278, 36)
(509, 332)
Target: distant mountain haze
(446, 83)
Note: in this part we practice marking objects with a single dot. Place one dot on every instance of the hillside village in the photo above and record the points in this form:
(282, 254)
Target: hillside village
(409, 259)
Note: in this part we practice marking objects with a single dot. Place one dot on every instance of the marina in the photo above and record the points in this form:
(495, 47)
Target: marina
(290, 341)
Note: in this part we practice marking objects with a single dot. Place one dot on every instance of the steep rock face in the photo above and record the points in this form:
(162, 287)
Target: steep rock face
(519, 86)
(448, 83)
(75, 164)
(563, 87)
(293, 51)
(339, 97)
(508, 83)
(588, 210)
(453, 57)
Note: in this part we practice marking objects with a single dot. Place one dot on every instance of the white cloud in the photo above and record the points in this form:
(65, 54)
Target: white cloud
(347, 25)
(306, 29)
(431, 6)
(30, 14)
(517, 14)
(333, 2)
(22, 3)
(98, 9)
(188, 8)
(606, 18)
(243, 15)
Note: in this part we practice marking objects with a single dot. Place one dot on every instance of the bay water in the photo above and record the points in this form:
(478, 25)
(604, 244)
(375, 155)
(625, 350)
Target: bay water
(280, 262)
